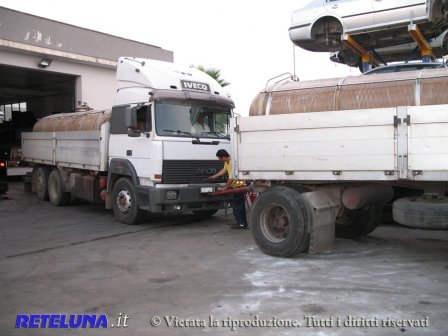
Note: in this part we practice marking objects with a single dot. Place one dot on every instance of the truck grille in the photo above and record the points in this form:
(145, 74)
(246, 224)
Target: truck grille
(190, 171)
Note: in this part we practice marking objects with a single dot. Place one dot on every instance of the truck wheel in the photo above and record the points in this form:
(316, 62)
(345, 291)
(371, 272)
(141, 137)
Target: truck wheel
(124, 203)
(40, 179)
(205, 213)
(359, 222)
(421, 213)
(280, 221)
(56, 189)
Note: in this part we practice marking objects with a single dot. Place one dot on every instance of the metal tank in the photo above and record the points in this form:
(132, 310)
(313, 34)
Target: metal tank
(76, 121)
(425, 87)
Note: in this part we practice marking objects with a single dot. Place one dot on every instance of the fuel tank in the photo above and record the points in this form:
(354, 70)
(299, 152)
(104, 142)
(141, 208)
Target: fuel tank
(410, 88)
(76, 121)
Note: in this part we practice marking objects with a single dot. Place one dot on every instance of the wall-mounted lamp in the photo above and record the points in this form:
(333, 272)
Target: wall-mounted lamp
(44, 63)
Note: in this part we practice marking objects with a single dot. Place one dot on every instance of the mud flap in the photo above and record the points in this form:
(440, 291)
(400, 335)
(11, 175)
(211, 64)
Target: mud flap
(108, 201)
(324, 206)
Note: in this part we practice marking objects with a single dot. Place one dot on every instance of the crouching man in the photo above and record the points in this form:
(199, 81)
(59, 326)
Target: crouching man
(238, 203)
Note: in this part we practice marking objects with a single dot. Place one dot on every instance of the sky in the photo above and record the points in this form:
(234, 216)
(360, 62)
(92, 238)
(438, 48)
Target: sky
(248, 40)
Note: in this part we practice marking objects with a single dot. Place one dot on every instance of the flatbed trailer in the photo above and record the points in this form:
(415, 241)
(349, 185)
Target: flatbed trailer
(327, 174)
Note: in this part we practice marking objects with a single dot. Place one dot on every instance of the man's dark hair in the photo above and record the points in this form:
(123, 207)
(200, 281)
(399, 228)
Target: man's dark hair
(222, 153)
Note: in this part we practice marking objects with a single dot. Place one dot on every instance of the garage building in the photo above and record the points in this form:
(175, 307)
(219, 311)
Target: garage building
(48, 67)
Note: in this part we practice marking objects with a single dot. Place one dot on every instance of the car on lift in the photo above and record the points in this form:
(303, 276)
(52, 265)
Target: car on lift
(320, 24)
(397, 53)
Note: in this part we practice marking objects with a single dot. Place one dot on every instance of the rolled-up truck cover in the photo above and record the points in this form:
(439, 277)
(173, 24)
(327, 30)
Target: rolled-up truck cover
(410, 88)
(76, 121)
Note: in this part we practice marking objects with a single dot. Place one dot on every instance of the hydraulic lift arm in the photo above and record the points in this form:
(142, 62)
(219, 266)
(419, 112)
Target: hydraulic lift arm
(425, 47)
(367, 57)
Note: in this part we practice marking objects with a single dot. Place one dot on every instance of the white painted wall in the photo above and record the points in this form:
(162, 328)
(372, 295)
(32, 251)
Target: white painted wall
(96, 86)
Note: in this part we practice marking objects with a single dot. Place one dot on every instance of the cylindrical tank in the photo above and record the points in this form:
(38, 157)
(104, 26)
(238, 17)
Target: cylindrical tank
(425, 87)
(76, 121)
(359, 197)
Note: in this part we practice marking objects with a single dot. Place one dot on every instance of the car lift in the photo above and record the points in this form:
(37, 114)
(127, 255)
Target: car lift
(367, 57)
(425, 47)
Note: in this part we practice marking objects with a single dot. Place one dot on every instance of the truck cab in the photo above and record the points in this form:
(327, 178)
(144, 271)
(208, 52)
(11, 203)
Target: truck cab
(155, 142)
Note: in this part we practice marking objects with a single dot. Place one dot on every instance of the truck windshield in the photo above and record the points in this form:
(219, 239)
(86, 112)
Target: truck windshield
(192, 120)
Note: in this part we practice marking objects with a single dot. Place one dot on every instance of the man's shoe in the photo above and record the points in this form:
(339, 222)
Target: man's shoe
(239, 226)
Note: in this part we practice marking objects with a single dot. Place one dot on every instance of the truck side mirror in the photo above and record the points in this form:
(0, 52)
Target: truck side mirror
(133, 133)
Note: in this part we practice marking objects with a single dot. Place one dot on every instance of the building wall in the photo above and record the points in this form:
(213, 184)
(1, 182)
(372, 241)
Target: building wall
(37, 31)
(89, 55)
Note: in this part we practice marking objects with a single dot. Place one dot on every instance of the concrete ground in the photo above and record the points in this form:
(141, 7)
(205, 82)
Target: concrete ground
(180, 276)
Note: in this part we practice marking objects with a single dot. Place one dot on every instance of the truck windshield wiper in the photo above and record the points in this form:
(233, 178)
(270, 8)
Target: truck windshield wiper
(219, 134)
(181, 132)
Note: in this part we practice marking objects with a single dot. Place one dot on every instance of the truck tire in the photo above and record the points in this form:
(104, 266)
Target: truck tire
(124, 202)
(40, 179)
(56, 191)
(359, 222)
(280, 221)
(421, 213)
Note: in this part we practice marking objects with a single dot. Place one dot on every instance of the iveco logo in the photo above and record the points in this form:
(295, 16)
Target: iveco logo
(195, 86)
(205, 171)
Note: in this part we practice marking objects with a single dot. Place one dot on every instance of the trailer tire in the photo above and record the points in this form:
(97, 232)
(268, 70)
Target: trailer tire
(40, 179)
(124, 202)
(421, 213)
(56, 191)
(359, 222)
(280, 222)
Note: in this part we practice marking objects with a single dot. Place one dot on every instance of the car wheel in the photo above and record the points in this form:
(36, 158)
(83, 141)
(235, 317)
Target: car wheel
(326, 34)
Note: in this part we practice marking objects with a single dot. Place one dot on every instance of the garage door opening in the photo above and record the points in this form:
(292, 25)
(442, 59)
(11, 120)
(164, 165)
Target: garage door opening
(27, 95)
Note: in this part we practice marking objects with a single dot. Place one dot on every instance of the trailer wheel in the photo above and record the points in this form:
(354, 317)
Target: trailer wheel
(421, 213)
(40, 179)
(56, 189)
(359, 222)
(280, 221)
(124, 202)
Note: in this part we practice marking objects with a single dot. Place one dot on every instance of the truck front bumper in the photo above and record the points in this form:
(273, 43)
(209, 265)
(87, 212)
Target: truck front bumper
(179, 198)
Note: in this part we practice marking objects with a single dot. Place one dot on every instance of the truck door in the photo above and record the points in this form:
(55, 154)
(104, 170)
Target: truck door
(353, 13)
(136, 149)
(390, 11)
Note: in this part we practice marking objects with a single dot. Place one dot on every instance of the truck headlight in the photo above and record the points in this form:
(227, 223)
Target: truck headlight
(144, 181)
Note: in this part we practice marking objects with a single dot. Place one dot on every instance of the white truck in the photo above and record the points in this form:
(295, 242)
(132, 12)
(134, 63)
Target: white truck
(326, 155)
(142, 155)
